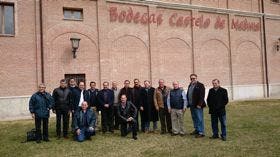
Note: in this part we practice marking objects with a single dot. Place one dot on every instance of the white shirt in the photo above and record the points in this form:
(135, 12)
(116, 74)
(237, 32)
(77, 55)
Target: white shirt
(81, 98)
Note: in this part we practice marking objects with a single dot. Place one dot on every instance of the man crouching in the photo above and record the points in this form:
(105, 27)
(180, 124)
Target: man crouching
(127, 113)
(84, 121)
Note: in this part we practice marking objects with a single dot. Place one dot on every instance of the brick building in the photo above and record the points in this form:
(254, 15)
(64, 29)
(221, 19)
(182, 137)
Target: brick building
(235, 41)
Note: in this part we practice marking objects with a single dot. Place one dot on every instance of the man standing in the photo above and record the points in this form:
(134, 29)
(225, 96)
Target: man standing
(136, 100)
(116, 104)
(217, 100)
(75, 98)
(126, 90)
(177, 104)
(82, 96)
(160, 99)
(106, 100)
(195, 97)
(62, 107)
(93, 101)
(84, 123)
(149, 112)
(39, 106)
(127, 113)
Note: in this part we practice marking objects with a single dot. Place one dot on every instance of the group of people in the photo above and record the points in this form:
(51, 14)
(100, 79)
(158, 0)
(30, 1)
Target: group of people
(121, 108)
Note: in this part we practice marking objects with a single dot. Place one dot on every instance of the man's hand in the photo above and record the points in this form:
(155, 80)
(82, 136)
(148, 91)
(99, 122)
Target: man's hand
(78, 131)
(141, 108)
(129, 119)
(198, 106)
(53, 111)
(169, 110)
(106, 105)
(33, 115)
(184, 110)
(94, 108)
(157, 108)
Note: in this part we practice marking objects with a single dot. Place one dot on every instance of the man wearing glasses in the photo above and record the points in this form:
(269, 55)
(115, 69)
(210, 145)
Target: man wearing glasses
(196, 103)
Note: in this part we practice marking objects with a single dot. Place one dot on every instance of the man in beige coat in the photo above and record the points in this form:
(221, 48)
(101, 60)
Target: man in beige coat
(160, 99)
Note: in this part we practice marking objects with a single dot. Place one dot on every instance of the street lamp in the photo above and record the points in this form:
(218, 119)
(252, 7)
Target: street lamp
(75, 45)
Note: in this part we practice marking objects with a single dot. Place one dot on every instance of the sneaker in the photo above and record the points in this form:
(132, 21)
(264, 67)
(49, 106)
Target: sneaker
(199, 136)
(135, 137)
(173, 134)
(224, 138)
(46, 140)
(38, 141)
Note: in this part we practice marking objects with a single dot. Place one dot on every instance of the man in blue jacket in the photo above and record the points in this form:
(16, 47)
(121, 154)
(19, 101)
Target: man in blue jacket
(39, 106)
(84, 121)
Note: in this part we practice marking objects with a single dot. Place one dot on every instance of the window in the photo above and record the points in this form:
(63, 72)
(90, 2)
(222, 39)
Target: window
(77, 77)
(7, 24)
(275, 1)
(73, 14)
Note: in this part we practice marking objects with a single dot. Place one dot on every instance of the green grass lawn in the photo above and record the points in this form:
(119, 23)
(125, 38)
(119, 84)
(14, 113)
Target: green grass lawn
(253, 130)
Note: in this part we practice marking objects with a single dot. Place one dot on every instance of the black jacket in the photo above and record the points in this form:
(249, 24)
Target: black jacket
(217, 100)
(62, 99)
(129, 111)
(78, 96)
(136, 96)
(93, 100)
(102, 100)
(127, 92)
(150, 114)
(197, 95)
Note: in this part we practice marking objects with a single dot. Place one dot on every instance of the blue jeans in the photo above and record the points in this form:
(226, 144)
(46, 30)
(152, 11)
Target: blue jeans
(198, 119)
(214, 123)
(147, 126)
(85, 134)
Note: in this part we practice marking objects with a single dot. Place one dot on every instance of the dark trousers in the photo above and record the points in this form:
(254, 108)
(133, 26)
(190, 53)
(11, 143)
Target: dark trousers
(132, 126)
(107, 119)
(214, 122)
(116, 117)
(142, 121)
(64, 115)
(165, 120)
(38, 122)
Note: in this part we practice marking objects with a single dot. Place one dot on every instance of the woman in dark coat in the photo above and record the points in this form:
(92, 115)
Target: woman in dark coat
(147, 108)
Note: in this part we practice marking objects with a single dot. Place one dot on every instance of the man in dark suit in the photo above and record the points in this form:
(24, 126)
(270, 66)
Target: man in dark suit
(106, 101)
(126, 90)
(147, 107)
(196, 103)
(217, 100)
(127, 113)
(93, 101)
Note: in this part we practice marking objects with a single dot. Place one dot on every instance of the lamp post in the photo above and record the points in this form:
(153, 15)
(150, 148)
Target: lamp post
(75, 45)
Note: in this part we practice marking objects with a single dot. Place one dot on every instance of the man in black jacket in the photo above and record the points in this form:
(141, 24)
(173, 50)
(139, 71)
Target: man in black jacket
(93, 101)
(127, 113)
(63, 104)
(217, 100)
(106, 101)
(136, 100)
(196, 103)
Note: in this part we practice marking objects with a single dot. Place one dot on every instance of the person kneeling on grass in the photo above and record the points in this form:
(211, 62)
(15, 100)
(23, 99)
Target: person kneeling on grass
(84, 122)
(127, 113)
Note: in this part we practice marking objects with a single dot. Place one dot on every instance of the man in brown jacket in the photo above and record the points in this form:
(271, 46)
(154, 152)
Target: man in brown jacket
(160, 99)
